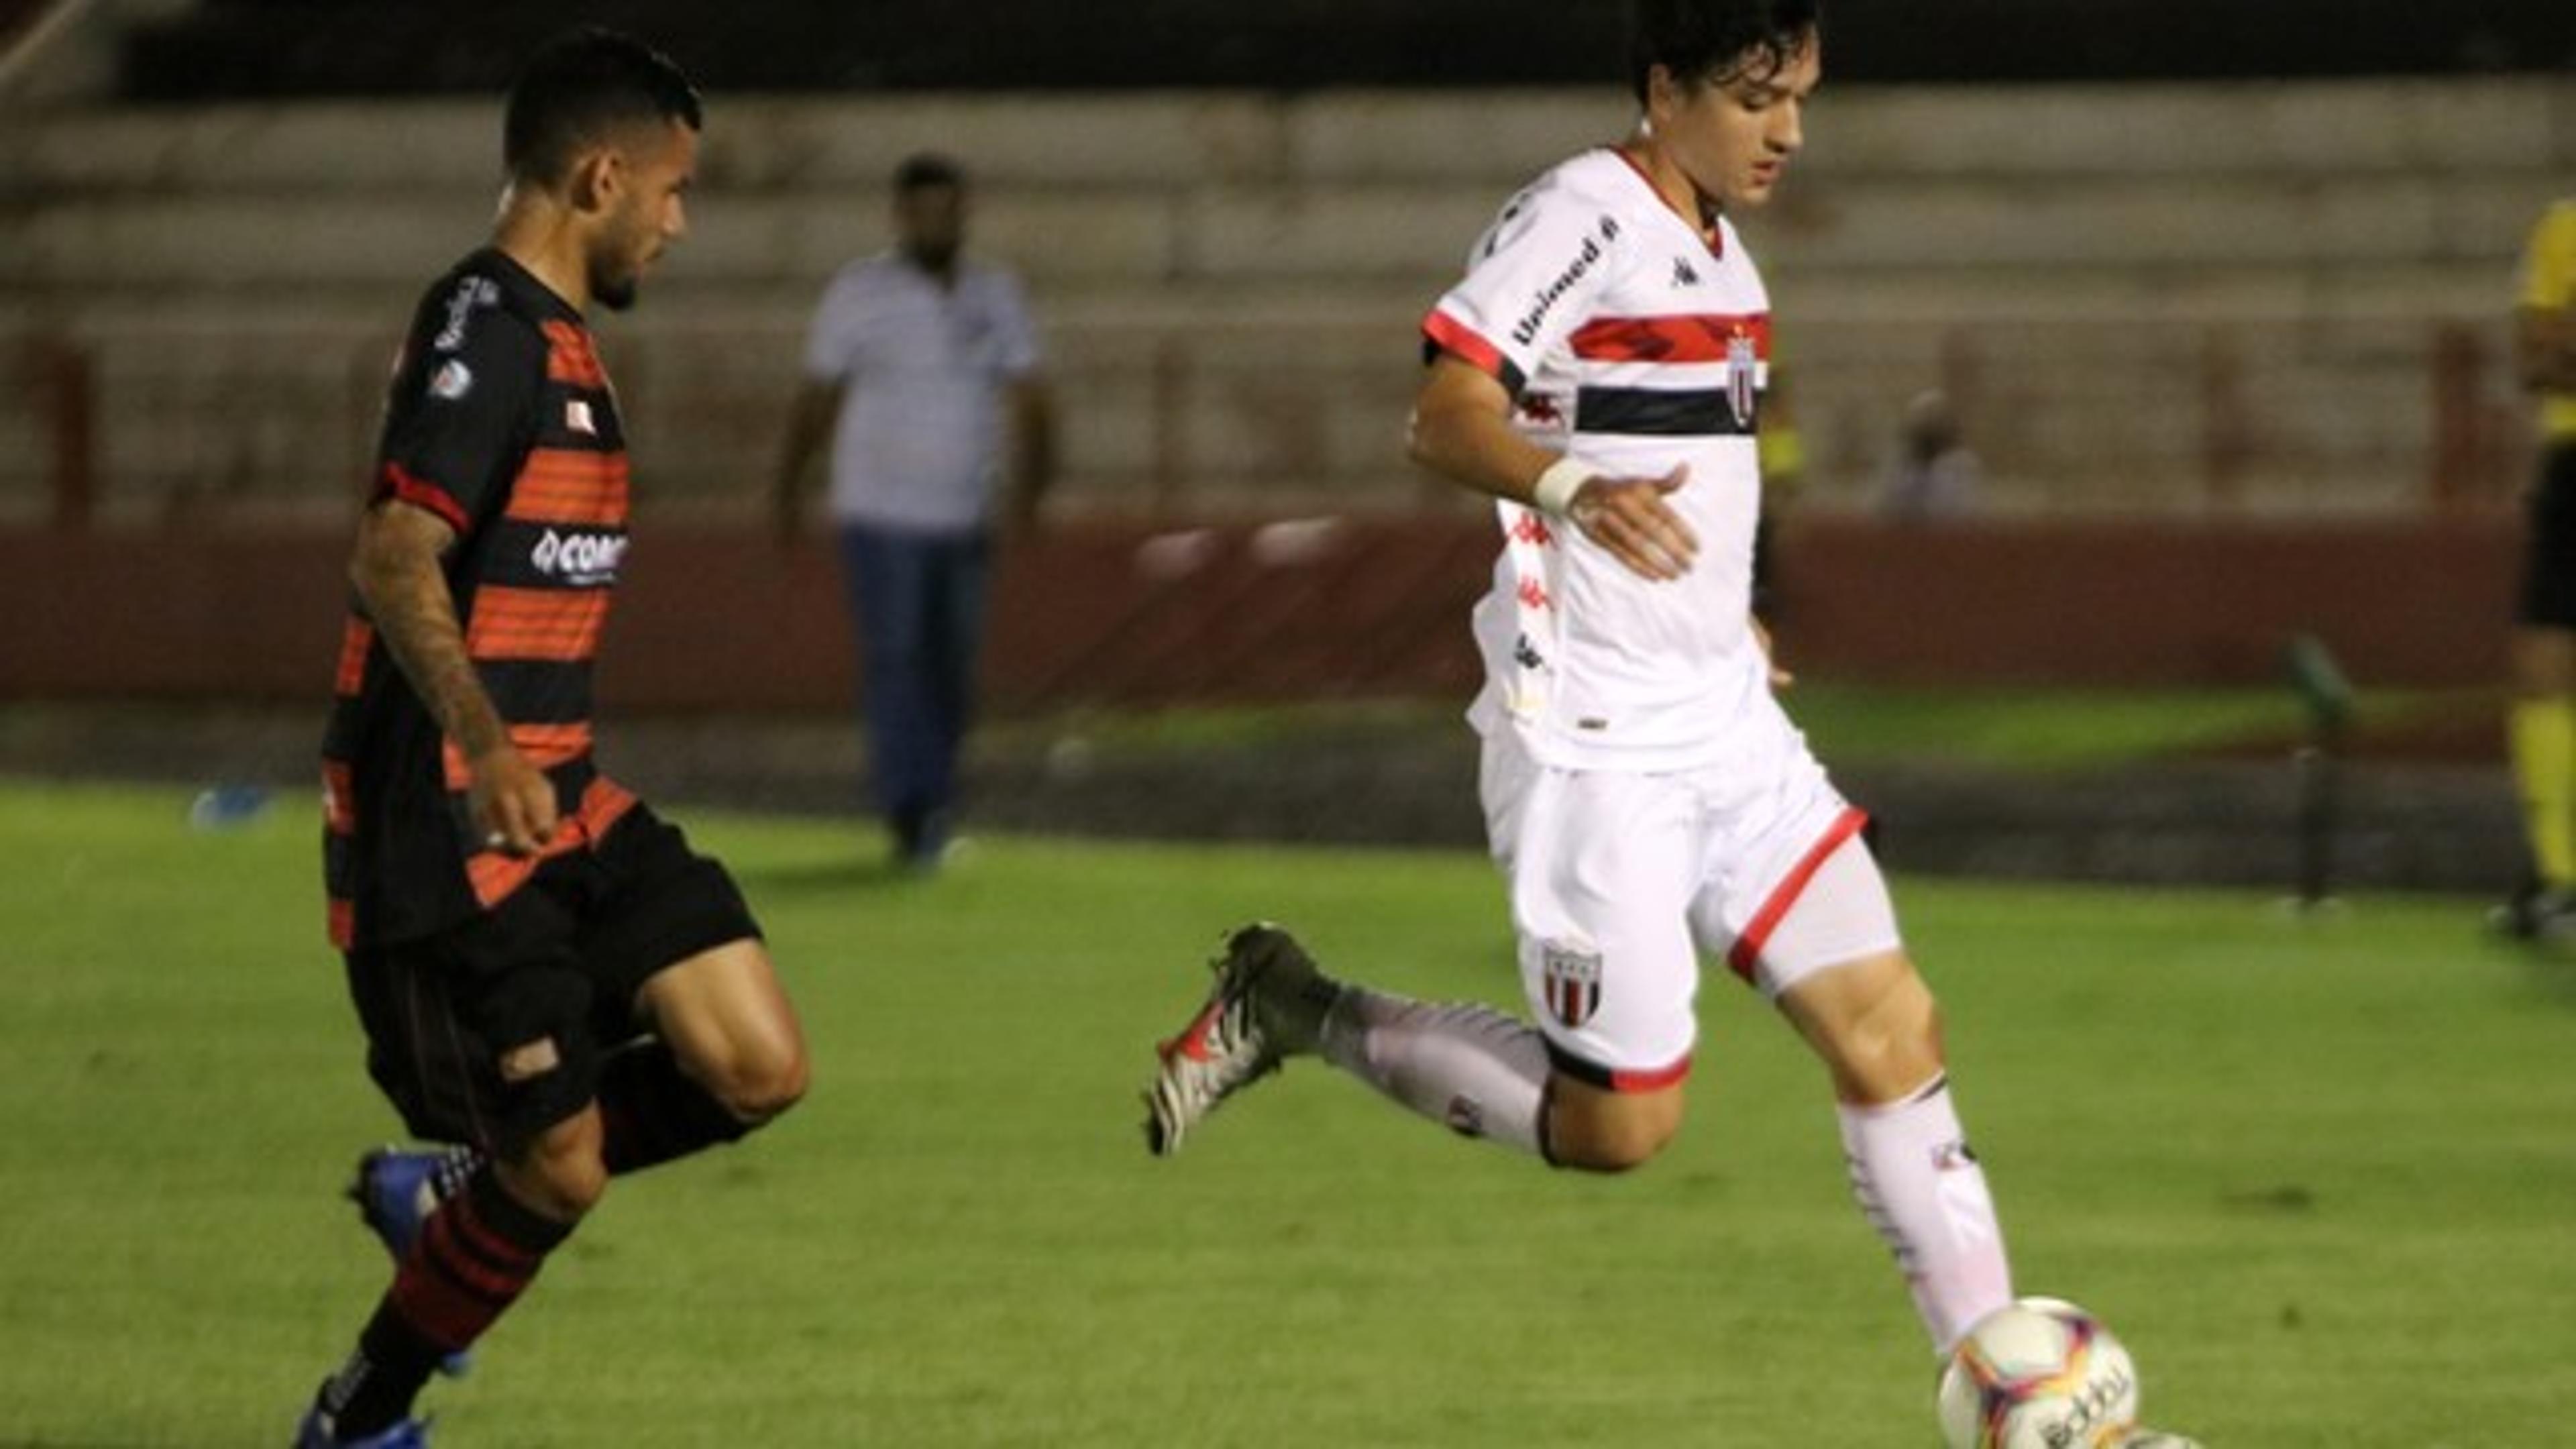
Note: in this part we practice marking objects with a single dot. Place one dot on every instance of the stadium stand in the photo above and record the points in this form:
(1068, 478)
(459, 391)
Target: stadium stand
(2177, 296)
(2172, 297)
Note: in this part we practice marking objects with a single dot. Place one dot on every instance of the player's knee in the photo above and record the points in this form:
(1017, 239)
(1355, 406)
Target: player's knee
(758, 1086)
(1893, 1047)
(563, 1173)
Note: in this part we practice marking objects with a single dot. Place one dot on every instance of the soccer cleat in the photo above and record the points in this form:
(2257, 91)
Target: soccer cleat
(2538, 914)
(315, 1433)
(1267, 1004)
(396, 1191)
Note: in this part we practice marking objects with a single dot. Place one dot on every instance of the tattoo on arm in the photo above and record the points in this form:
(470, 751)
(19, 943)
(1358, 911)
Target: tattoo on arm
(397, 575)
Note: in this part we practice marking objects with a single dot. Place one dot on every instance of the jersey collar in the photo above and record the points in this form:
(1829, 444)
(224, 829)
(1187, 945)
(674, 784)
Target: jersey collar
(1710, 229)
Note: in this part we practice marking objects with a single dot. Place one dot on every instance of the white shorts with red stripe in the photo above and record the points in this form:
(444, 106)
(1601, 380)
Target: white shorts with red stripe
(1623, 882)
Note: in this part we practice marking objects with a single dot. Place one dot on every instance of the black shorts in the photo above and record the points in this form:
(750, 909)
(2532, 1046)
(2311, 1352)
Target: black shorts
(493, 1031)
(2549, 568)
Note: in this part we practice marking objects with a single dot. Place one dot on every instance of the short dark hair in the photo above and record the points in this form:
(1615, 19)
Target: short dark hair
(581, 86)
(926, 169)
(1699, 39)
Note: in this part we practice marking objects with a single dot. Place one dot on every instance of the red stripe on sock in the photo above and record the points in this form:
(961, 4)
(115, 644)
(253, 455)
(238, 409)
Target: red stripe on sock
(448, 1294)
(437, 1308)
(477, 1236)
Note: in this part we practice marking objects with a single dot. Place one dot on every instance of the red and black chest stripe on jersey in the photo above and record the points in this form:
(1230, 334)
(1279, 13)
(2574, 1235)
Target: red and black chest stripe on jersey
(1739, 343)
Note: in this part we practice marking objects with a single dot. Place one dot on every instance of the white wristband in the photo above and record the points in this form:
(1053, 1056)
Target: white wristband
(1554, 492)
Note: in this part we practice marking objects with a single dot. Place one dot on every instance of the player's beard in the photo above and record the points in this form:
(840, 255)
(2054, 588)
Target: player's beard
(617, 268)
(613, 279)
(614, 293)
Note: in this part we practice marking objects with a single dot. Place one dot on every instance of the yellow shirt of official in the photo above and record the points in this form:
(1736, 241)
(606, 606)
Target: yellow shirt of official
(2549, 285)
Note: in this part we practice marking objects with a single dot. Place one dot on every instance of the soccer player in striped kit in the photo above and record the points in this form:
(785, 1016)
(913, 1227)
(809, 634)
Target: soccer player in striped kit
(1599, 372)
(549, 978)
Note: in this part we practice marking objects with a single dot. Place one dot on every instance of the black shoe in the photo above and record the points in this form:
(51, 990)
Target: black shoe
(2541, 915)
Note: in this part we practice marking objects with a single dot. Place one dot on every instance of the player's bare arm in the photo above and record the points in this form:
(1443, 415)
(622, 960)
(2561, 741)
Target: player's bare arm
(395, 569)
(1462, 431)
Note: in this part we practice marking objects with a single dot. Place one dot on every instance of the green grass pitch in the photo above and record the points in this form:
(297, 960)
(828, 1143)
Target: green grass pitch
(2321, 1176)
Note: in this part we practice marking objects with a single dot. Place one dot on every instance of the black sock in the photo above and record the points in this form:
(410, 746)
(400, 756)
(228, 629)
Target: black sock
(473, 1259)
(651, 1112)
(374, 1389)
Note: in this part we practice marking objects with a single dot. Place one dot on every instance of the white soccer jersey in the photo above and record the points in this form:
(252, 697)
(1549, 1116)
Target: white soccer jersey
(1633, 342)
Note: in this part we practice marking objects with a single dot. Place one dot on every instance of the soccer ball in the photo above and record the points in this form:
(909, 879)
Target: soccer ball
(2040, 1374)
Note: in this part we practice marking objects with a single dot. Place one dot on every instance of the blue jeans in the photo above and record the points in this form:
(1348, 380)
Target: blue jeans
(918, 602)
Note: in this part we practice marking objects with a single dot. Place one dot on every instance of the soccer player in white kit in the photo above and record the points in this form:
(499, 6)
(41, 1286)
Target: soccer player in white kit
(1599, 371)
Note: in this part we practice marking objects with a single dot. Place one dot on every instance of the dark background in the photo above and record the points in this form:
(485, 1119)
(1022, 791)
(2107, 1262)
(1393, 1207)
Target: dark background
(332, 47)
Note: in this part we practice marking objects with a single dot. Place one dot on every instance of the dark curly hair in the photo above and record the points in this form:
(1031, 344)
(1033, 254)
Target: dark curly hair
(1704, 39)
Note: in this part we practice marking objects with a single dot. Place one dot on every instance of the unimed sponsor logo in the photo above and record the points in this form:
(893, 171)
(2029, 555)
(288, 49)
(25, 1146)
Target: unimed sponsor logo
(1525, 330)
(580, 558)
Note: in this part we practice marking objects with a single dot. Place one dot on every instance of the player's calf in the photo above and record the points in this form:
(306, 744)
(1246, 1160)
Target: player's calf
(1598, 1130)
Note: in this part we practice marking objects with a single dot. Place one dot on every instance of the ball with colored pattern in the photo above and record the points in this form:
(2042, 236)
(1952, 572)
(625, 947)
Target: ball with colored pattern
(2040, 1374)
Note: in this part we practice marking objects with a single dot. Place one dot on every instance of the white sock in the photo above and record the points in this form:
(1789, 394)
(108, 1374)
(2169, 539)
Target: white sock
(1462, 1064)
(1920, 1186)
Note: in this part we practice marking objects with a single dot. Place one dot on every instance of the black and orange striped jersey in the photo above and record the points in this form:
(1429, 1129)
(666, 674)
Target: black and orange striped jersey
(500, 421)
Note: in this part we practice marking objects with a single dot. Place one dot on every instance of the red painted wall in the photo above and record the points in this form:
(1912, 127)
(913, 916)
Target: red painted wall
(726, 619)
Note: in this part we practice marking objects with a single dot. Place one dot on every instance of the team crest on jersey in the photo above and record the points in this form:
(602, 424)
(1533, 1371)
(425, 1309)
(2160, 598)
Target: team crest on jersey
(1571, 976)
(1742, 365)
(453, 380)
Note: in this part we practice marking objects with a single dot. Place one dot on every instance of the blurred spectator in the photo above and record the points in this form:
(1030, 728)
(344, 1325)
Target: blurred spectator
(2542, 726)
(929, 364)
(1934, 475)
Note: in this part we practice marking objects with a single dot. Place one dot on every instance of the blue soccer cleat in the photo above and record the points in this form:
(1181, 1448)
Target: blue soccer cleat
(315, 1433)
(396, 1191)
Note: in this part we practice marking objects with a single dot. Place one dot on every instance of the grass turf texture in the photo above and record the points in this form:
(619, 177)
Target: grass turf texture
(2317, 1175)
(2037, 730)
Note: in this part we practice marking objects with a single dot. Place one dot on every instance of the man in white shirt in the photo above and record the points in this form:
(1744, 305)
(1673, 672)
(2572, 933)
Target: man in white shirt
(923, 368)
(1599, 372)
